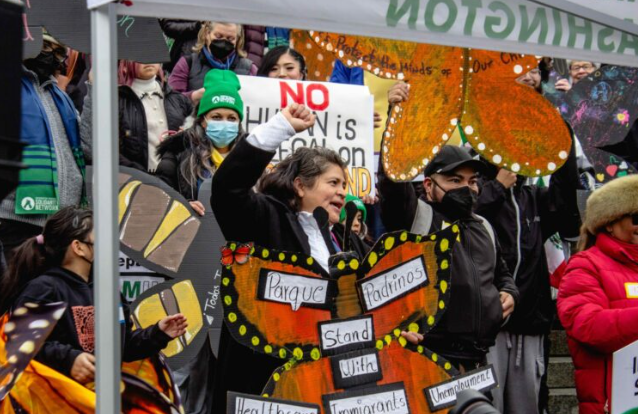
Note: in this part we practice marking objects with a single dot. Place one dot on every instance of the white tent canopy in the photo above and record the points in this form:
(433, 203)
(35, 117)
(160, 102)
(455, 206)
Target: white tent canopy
(591, 30)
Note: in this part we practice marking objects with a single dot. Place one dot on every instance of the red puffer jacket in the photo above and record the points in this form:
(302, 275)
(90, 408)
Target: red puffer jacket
(599, 314)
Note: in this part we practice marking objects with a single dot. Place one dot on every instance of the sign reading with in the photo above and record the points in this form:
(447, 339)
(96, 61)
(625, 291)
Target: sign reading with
(295, 290)
(393, 283)
(387, 399)
(356, 368)
(251, 404)
(344, 121)
(444, 395)
(346, 335)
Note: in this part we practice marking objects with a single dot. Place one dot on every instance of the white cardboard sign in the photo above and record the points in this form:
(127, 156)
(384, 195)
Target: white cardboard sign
(624, 380)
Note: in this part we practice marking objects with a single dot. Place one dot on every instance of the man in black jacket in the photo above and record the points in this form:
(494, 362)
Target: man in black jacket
(483, 293)
(524, 217)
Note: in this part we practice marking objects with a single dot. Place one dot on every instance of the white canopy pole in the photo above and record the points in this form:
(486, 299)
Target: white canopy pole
(105, 157)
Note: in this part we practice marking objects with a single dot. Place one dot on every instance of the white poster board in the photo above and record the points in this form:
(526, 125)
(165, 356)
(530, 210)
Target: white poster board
(624, 380)
(344, 121)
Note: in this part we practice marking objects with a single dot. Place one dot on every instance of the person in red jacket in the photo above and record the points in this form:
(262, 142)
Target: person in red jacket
(596, 300)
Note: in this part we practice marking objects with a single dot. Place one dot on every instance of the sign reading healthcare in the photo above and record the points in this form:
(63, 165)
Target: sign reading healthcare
(624, 380)
(344, 121)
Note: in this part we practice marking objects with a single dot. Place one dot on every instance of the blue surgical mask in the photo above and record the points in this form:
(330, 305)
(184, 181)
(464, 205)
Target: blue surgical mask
(222, 133)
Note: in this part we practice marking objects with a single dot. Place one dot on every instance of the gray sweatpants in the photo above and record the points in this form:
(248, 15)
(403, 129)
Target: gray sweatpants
(519, 365)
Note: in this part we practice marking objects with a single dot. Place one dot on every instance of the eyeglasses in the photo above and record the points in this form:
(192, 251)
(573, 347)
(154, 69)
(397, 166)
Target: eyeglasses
(585, 67)
(87, 242)
(58, 52)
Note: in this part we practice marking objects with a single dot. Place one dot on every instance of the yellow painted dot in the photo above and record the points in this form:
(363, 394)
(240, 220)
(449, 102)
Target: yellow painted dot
(354, 264)
(282, 353)
(268, 349)
(228, 300)
(445, 244)
(226, 281)
(433, 237)
(388, 339)
(418, 239)
(252, 251)
(389, 243)
(430, 320)
(435, 357)
(403, 341)
(310, 261)
(441, 304)
(9, 327)
(27, 347)
(276, 376)
(404, 236)
(455, 228)
(298, 353)
(265, 395)
(397, 332)
(265, 253)
(372, 259)
(282, 257)
(379, 344)
(419, 349)
(233, 246)
(242, 330)
(443, 286)
(20, 311)
(341, 265)
(315, 354)
(287, 366)
(414, 327)
(458, 238)
(294, 258)
(232, 317)
(447, 366)
(255, 341)
(444, 264)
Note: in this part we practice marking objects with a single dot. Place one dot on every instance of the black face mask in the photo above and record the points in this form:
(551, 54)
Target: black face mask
(221, 48)
(45, 65)
(458, 203)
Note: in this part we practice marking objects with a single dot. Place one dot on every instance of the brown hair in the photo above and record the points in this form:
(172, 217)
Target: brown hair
(307, 164)
(31, 259)
(586, 239)
(207, 27)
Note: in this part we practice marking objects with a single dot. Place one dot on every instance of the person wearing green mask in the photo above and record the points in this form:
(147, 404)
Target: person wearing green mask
(193, 155)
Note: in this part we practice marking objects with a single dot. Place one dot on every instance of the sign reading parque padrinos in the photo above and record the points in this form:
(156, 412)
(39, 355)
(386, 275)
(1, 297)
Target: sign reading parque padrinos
(518, 26)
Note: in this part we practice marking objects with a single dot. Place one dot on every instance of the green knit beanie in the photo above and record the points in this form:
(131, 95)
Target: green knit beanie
(357, 202)
(221, 91)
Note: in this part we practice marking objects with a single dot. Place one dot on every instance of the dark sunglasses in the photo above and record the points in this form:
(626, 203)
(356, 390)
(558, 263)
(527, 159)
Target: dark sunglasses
(634, 219)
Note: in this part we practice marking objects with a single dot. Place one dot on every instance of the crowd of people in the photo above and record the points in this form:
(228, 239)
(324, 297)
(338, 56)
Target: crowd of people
(173, 124)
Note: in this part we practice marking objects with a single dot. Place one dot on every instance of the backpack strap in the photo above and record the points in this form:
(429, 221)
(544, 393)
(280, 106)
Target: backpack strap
(489, 229)
(422, 218)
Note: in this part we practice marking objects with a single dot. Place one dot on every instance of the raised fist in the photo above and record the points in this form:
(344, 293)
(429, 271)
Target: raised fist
(299, 117)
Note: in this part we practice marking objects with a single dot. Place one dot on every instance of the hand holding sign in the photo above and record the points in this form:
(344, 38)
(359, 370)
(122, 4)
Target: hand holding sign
(299, 116)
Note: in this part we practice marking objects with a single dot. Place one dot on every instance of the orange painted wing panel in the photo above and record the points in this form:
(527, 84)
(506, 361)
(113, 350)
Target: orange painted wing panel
(509, 124)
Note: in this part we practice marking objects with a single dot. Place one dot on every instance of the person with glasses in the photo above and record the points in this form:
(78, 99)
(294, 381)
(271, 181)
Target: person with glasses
(54, 177)
(577, 71)
(56, 266)
(598, 294)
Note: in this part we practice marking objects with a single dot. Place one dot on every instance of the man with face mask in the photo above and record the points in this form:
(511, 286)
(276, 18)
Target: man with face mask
(483, 293)
(54, 177)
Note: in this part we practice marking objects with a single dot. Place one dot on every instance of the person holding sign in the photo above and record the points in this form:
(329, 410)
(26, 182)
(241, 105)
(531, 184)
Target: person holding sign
(598, 294)
(483, 293)
(191, 156)
(279, 216)
(58, 265)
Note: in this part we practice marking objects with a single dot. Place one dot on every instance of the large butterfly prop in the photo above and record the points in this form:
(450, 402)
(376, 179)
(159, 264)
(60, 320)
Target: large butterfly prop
(509, 124)
(333, 334)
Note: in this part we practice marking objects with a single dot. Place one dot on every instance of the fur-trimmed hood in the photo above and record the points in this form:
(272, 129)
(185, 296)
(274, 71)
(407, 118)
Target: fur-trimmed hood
(611, 202)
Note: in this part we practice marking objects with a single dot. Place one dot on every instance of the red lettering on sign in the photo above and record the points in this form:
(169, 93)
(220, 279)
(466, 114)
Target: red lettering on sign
(316, 96)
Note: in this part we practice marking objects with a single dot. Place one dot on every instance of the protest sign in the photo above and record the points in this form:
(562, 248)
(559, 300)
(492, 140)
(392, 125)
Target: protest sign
(344, 121)
(624, 380)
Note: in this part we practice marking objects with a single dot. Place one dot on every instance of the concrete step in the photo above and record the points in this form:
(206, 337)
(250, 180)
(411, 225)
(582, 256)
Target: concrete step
(560, 373)
(558, 344)
(563, 401)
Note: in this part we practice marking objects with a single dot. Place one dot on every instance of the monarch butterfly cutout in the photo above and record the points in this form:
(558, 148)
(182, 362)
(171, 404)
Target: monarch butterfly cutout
(147, 385)
(235, 254)
(602, 109)
(285, 305)
(509, 124)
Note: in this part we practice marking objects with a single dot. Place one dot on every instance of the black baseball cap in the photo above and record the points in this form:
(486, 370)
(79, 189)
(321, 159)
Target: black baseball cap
(450, 158)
